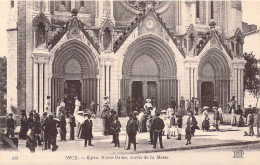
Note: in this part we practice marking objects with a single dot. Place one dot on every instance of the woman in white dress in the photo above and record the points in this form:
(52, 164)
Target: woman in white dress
(77, 105)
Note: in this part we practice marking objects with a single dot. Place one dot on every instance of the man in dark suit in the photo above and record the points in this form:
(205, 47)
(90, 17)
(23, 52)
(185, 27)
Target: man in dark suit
(157, 126)
(87, 130)
(131, 130)
(72, 123)
(51, 131)
(10, 126)
(44, 131)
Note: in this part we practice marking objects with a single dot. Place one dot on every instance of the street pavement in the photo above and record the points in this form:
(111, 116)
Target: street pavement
(227, 136)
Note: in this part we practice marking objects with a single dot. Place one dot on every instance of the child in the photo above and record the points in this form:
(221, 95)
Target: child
(87, 130)
(172, 125)
(179, 126)
(115, 128)
(188, 133)
(31, 142)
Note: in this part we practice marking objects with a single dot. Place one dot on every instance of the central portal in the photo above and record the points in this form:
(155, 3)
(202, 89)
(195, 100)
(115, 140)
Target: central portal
(149, 71)
(72, 88)
(207, 94)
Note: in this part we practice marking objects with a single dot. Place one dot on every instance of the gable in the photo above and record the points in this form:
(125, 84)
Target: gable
(148, 23)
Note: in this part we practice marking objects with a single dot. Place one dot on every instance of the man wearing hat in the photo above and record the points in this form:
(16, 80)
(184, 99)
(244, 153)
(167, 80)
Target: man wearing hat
(216, 118)
(24, 125)
(44, 131)
(51, 131)
(10, 126)
(72, 123)
(215, 102)
(157, 126)
(173, 103)
(87, 130)
(131, 130)
(182, 106)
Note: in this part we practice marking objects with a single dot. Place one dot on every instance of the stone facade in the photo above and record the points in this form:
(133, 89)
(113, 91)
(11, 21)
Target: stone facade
(118, 49)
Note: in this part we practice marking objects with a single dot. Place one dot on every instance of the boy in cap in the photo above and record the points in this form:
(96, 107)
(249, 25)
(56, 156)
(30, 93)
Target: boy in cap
(172, 125)
(87, 130)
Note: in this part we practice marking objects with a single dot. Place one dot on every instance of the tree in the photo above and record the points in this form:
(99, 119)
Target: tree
(251, 75)
(3, 78)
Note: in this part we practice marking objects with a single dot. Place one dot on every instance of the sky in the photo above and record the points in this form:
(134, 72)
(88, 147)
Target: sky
(250, 14)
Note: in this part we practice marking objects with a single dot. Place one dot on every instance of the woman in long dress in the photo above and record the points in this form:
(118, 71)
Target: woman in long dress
(233, 120)
(77, 106)
(205, 123)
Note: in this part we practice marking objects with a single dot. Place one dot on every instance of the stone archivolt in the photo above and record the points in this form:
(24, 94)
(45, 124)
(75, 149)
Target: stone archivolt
(157, 49)
(79, 51)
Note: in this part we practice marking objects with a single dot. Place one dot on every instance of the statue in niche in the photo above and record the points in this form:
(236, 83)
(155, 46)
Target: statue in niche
(41, 34)
(191, 40)
(107, 38)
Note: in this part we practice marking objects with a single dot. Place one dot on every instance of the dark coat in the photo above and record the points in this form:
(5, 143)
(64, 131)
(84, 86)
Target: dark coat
(37, 127)
(87, 129)
(10, 123)
(51, 127)
(173, 104)
(216, 115)
(115, 126)
(72, 121)
(63, 122)
(193, 122)
(239, 111)
(132, 127)
(157, 124)
(30, 121)
(179, 122)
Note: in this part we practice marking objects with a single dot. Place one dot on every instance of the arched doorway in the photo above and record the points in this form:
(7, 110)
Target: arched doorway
(149, 71)
(214, 79)
(74, 71)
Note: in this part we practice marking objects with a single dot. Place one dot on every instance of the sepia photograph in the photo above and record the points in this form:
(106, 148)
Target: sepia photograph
(130, 82)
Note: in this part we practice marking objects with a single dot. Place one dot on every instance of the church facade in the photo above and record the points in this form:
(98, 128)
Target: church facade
(124, 50)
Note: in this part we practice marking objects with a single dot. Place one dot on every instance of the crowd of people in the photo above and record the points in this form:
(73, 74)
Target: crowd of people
(37, 130)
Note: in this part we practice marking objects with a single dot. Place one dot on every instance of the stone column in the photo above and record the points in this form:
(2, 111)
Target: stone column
(35, 85)
(238, 83)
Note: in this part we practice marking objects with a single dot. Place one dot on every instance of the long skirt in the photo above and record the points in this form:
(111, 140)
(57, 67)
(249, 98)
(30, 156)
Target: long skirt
(79, 130)
(221, 118)
(233, 120)
(205, 125)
